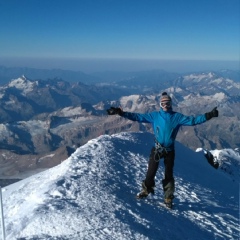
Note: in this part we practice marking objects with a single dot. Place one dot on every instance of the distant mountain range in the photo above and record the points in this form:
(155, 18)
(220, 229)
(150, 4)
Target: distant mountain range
(42, 118)
(154, 76)
(9, 73)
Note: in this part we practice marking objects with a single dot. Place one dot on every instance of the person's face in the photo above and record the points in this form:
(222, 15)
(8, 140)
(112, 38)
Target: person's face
(166, 105)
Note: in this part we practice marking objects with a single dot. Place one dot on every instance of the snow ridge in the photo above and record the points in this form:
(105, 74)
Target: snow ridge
(91, 195)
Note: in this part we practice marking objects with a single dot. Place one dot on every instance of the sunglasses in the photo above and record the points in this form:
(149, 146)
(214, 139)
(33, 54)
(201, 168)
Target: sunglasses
(166, 104)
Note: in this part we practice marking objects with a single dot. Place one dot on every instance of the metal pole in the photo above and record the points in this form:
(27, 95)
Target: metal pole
(2, 217)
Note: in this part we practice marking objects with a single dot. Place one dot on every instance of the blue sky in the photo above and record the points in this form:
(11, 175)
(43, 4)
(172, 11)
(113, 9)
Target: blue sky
(119, 29)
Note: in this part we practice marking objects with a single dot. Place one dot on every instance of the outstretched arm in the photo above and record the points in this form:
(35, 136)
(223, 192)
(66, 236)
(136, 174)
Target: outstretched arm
(191, 120)
(139, 117)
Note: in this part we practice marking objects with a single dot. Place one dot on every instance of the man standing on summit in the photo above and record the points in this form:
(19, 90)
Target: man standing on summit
(166, 124)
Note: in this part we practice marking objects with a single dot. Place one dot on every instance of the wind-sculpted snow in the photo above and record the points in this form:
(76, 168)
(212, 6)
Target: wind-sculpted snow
(228, 160)
(91, 195)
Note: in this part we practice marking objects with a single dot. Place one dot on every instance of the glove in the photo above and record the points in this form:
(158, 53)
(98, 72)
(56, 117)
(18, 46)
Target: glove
(213, 113)
(113, 111)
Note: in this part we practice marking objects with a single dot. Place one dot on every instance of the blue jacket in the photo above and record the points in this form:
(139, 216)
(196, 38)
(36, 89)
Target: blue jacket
(166, 124)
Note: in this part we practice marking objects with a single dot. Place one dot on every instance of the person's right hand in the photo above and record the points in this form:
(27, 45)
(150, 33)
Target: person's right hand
(213, 113)
(114, 111)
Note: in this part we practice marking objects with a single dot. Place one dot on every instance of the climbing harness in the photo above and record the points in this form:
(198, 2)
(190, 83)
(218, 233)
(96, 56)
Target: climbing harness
(159, 151)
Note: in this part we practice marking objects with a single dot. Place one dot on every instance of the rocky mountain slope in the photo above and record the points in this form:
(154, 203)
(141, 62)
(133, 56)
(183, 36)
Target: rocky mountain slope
(23, 98)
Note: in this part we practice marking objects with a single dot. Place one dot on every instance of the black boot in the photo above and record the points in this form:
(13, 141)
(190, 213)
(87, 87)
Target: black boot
(168, 202)
(145, 191)
(168, 188)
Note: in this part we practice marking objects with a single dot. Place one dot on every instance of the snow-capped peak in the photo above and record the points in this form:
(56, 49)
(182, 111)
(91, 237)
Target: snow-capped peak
(200, 76)
(23, 84)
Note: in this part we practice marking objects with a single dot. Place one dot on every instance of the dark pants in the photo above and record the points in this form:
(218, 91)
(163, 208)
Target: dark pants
(168, 181)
